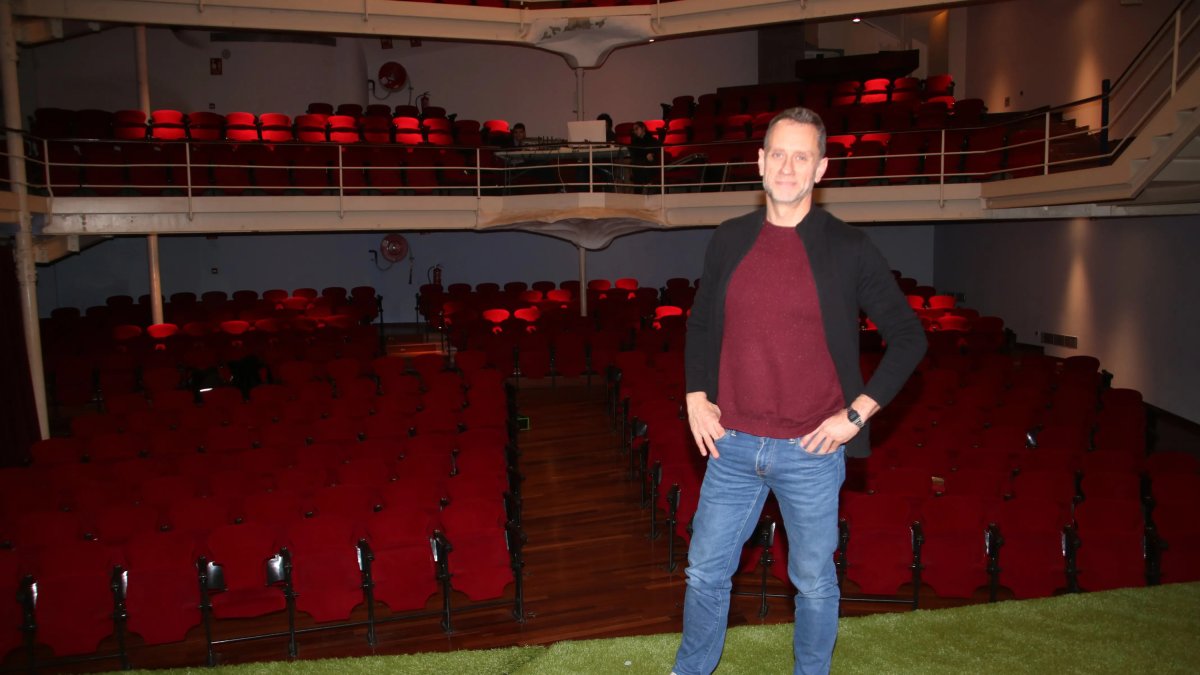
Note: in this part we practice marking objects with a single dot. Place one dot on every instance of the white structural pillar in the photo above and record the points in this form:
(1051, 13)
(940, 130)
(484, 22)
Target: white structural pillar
(26, 267)
(156, 303)
(143, 85)
(143, 69)
(579, 94)
(583, 296)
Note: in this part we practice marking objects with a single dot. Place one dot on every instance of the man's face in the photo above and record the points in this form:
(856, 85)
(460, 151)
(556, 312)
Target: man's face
(518, 135)
(790, 162)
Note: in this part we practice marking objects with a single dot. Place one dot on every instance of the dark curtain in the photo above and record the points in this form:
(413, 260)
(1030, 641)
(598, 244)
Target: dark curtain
(19, 421)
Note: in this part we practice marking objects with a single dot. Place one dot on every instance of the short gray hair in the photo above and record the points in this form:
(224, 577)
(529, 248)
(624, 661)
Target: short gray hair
(800, 115)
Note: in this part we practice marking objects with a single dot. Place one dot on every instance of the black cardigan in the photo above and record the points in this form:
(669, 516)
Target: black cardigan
(850, 274)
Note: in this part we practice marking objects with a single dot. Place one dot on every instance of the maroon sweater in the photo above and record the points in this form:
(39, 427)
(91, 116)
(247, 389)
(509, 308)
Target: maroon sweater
(777, 376)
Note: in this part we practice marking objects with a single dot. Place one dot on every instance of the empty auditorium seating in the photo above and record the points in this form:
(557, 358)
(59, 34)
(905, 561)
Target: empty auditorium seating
(733, 114)
(1112, 539)
(879, 552)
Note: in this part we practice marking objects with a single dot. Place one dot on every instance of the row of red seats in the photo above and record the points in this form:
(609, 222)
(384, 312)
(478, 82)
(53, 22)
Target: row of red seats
(306, 409)
(330, 562)
(762, 98)
(1110, 544)
(296, 316)
(166, 124)
(1010, 404)
(119, 335)
(376, 110)
(127, 309)
(182, 309)
(304, 393)
(985, 153)
(109, 168)
(162, 431)
(196, 492)
(882, 158)
(83, 365)
(130, 326)
(488, 288)
(934, 114)
(932, 395)
(977, 153)
(1038, 449)
(1059, 476)
(617, 327)
(954, 561)
(452, 471)
(623, 310)
(378, 126)
(543, 333)
(568, 353)
(433, 299)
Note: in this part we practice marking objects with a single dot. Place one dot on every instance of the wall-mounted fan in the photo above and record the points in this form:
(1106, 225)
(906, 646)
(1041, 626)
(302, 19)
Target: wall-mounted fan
(392, 76)
(394, 248)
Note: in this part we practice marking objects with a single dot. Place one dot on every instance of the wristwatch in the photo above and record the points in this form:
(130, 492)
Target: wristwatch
(855, 418)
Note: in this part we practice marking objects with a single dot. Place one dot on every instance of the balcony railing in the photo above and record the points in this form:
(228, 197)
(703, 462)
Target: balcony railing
(90, 167)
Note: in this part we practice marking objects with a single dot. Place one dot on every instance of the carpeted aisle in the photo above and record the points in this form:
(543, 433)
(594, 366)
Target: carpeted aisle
(1124, 631)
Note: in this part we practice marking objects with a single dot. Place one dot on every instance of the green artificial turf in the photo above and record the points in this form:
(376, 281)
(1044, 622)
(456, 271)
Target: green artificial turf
(1124, 631)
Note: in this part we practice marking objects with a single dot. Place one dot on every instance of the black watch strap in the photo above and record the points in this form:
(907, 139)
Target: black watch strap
(855, 418)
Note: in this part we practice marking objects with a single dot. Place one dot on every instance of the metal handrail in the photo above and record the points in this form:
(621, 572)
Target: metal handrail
(1170, 37)
(1137, 58)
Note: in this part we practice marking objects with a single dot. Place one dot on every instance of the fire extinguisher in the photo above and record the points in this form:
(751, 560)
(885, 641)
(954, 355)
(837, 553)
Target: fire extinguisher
(435, 275)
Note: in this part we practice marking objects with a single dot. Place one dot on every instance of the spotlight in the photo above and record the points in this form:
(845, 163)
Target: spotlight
(857, 19)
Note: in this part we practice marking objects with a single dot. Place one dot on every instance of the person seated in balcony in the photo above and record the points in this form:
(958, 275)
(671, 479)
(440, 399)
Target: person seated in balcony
(525, 170)
(516, 136)
(610, 135)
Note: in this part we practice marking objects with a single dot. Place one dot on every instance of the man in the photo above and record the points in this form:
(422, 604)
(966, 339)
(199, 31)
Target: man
(520, 169)
(775, 395)
(516, 138)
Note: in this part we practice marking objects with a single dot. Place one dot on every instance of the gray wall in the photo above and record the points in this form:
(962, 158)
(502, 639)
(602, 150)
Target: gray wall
(1126, 288)
(1050, 52)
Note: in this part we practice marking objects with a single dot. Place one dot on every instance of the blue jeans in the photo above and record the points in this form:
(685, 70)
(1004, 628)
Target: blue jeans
(731, 499)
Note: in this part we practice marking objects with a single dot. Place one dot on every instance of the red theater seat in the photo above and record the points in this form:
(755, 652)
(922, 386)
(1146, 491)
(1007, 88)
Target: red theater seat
(241, 126)
(167, 125)
(205, 126)
(127, 125)
(242, 551)
(276, 127)
(161, 593)
(325, 576)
